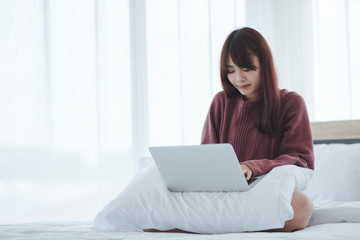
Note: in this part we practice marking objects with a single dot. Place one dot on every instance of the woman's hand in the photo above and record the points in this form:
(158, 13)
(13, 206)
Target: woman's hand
(247, 171)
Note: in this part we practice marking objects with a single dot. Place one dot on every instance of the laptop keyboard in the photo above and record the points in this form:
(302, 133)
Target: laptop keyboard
(251, 180)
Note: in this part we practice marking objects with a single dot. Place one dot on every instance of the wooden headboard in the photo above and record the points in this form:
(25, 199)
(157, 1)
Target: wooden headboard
(336, 132)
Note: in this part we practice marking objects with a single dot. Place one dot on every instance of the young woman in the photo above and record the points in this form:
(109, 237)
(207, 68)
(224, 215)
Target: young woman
(266, 126)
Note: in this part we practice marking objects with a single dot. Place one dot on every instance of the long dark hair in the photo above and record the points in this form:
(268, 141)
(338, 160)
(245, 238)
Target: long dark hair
(241, 45)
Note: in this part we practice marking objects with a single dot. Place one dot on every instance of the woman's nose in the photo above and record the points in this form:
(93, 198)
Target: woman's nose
(239, 78)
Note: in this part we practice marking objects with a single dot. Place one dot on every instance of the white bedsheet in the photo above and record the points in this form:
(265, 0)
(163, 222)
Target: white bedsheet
(84, 231)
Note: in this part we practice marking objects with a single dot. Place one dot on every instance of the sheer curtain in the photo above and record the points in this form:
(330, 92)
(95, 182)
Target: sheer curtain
(65, 119)
(337, 28)
(183, 45)
(316, 51)
(87, 86)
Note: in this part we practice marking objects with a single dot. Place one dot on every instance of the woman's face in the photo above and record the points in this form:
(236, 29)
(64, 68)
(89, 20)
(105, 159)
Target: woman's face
(245, 80)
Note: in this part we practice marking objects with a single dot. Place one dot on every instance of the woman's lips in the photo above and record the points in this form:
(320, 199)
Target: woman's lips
(244, 86)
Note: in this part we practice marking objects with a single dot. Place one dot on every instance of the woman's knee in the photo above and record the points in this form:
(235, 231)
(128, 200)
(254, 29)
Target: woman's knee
(303, 208)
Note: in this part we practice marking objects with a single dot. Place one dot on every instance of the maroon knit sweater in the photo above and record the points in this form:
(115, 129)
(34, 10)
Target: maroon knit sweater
(230, 120)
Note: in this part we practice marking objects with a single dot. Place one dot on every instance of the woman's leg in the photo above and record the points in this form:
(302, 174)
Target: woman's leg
(303, 208)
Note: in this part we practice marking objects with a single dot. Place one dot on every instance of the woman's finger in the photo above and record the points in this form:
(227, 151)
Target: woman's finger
(248, 175)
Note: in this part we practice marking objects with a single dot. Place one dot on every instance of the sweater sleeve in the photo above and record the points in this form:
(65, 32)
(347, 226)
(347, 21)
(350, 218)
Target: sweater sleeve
(296, 147)
(210, 133)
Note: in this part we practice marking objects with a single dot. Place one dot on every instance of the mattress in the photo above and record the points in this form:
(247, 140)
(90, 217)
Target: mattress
(83, 230)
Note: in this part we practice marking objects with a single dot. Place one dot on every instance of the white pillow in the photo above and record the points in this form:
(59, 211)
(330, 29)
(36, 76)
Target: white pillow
(147, 203)
(337, 173)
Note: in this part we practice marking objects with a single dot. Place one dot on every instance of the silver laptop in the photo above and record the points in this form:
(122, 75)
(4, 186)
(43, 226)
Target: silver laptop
(201, 168)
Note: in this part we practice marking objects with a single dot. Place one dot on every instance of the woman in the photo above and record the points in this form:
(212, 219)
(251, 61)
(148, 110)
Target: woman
(266, 126)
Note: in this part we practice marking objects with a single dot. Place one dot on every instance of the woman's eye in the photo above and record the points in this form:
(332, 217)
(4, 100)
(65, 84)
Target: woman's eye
(229, 72)
(246, 69)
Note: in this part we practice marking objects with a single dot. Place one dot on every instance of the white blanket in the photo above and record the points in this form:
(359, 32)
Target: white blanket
(147, 203)
(334, 212)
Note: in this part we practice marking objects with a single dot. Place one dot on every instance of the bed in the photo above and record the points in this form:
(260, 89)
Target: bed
(335, 219)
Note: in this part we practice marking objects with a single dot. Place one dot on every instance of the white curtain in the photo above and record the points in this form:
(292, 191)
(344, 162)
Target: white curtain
(65, 118)
(87, 86)
(184, 41)
(337, 58)
(316, 51)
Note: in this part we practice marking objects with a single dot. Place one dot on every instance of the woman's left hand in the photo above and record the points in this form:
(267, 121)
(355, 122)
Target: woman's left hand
(247, 171)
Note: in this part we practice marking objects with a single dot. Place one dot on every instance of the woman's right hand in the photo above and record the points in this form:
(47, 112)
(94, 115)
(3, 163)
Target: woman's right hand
(247, 171)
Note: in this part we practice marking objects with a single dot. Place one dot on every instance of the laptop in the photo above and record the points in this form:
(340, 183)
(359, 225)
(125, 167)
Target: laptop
(201, 168)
